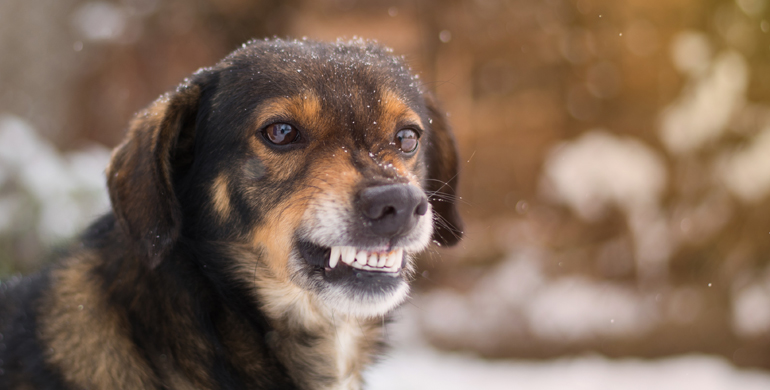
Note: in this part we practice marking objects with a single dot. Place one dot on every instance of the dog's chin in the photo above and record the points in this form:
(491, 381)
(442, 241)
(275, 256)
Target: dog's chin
(360, 283)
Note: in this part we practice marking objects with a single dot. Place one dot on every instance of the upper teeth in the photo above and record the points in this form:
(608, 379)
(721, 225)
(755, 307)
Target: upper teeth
(370, 261)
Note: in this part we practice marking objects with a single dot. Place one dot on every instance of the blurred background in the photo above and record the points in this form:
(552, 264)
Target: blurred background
(615, 167)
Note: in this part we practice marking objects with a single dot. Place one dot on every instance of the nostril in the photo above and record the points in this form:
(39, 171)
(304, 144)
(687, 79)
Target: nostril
(378, 211)
(422, 208)
(388, 210)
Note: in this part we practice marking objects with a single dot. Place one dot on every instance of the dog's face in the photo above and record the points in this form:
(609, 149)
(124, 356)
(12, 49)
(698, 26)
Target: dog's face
(322, 167)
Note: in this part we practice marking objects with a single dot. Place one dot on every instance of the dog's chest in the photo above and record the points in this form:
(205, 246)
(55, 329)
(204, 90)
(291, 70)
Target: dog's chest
(337, 357)
(347, 346)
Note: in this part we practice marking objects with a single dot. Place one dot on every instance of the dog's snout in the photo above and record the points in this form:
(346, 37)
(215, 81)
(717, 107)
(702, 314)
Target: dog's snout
(392, 209)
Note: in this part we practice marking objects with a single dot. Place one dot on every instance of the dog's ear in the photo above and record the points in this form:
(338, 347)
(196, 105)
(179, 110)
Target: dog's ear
(443, 167)
(139, 176)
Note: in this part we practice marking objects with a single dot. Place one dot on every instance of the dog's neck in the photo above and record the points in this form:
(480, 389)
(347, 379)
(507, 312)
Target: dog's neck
(328, 354)
(321, 348)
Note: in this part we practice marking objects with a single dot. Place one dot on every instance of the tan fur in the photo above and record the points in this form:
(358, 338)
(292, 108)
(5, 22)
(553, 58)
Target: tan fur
(86, 338)
(177, 381)
(305, 108)
(221, 197)
(274, 238)
(395, 110)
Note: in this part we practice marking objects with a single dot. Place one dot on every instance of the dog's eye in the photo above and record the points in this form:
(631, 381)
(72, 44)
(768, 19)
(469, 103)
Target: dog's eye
(281, 133)
(406, 140)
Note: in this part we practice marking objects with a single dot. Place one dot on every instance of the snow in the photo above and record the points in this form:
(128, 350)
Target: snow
(575, 308)
(750, 303)
(601, 169)
(60, 192)
(746, 172)
(414, 365)
(99, 21)
(691, 52)
(703, 111)
(425, 368)
(751, 311)
(518, 299)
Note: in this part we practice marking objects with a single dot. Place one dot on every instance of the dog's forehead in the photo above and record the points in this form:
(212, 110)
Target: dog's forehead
(352, 62)
(346, 77)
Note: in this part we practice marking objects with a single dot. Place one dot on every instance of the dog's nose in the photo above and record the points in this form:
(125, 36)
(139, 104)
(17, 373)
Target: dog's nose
(392, 209)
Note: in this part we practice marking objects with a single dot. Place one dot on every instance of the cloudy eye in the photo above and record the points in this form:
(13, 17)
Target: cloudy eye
(406, 140)
(281, 133)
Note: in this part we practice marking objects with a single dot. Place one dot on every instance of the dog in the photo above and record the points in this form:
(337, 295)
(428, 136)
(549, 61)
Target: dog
(264, 219)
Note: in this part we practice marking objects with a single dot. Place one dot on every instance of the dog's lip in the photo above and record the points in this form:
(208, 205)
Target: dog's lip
(378, 260)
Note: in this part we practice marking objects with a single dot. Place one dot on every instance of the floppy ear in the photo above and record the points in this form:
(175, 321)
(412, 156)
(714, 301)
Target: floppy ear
(443, 166)
(139, 176)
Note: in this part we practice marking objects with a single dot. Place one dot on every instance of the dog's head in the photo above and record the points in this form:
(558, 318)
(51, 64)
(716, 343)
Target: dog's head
(328, 162)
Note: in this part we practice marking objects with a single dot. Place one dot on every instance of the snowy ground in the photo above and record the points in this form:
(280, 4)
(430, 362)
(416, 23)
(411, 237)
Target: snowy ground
(420, 369)
(412, 365)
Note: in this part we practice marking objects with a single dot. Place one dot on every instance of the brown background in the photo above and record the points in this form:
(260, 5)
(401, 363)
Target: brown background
(518, 78)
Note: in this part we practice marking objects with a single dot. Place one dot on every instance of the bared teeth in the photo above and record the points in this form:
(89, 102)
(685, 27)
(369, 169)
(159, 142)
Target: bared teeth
(348, 254)
(369, 261)
(358, 265)
(335, 256)
(391, 259)
(361, 257)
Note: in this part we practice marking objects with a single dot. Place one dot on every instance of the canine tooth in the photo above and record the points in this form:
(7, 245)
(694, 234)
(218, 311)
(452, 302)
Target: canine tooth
(335, 256)
(399, 258)
(361, 257)
(383, 260)
(372, 260)
(348, 254)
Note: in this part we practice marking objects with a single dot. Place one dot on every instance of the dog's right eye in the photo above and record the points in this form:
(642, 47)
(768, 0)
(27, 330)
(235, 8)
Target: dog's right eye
(406, 140)
(281, 133)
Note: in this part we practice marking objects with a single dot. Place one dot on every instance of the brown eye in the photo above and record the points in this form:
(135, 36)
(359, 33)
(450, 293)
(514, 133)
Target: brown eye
(406, 140)
(281, 133)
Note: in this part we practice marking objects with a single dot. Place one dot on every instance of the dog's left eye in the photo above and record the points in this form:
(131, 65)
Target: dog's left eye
(406, 140)
(281, 133)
